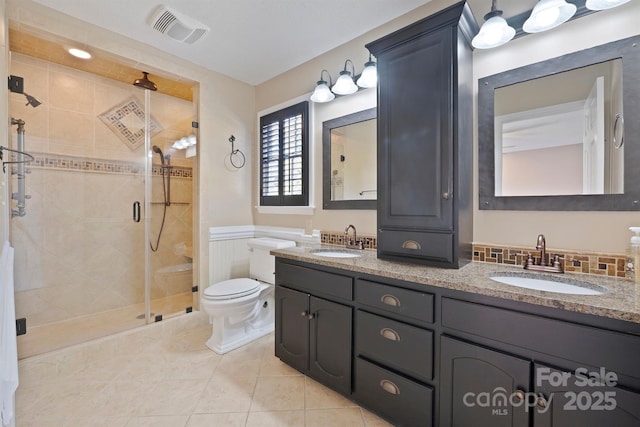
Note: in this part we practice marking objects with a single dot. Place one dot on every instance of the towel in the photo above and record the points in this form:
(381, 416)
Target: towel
(8, 340)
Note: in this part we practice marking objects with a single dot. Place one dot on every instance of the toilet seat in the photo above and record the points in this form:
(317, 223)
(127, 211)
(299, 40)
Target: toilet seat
(231, 289)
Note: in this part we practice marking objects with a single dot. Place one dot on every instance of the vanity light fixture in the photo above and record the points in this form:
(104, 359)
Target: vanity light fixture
(369, 76)
(494, 32)
(604, 4)
(322, 93)
(184, 143)
(345, 85)
(548, 14)
(79, 53)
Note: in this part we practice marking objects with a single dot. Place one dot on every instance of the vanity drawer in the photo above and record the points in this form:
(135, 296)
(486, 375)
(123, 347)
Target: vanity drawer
(405, 302)
(402, 401)
(416, 244)
(314, 281)
(399, 346)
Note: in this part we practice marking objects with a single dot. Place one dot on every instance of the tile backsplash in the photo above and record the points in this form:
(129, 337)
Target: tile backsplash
(600, 264)
(337, 238)
(612, 265)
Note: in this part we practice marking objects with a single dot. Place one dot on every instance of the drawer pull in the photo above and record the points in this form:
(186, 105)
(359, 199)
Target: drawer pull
(389, 387)
(390, 300)
(411, 244)
(390, 334)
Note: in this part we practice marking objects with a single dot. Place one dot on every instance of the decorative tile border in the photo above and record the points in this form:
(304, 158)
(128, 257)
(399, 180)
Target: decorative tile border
(87, 164)
(337, 238)
(612, 265)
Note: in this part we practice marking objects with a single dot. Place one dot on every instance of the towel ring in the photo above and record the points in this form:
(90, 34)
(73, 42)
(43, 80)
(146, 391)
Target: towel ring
(235, 152)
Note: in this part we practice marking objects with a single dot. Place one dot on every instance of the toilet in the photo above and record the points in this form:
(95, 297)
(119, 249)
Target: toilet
(242, 310)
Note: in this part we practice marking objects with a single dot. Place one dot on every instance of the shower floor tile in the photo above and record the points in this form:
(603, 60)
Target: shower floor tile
(146, 386)
(53, 336)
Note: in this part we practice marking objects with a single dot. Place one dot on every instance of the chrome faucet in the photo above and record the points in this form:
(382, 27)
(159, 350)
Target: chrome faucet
(355, 243)
(554, 266)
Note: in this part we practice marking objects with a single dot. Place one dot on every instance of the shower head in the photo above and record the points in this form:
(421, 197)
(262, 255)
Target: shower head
(145, 83)
(157, 149)
(32, 100)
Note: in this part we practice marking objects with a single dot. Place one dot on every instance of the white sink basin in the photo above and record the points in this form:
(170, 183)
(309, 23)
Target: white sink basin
(335, 253)
(550, 284)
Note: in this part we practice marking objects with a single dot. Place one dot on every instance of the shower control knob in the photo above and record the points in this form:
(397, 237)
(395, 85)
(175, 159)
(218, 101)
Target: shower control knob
(27, 196)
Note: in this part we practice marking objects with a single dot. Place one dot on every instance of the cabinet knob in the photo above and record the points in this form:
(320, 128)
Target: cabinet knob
(446, 195)
(304, 313)
(390, 334)
(520, 395)
(389, 387)
(390, 300)
(308, 315)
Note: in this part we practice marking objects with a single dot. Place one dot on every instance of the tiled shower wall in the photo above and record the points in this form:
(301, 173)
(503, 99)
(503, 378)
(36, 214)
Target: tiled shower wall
(78, 251)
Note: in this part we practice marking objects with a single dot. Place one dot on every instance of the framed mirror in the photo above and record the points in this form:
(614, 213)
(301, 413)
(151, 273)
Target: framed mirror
(349, 170)
(553, 135)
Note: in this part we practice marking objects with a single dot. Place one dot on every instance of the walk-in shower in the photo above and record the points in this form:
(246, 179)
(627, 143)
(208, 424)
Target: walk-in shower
(83, 267)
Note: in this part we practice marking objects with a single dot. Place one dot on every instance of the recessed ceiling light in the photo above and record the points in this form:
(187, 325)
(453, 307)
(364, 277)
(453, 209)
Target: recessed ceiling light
(79, 53)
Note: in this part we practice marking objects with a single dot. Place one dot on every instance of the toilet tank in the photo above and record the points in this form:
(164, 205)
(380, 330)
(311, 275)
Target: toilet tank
(262, 265)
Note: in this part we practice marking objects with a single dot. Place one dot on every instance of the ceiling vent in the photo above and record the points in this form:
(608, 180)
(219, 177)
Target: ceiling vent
(177, 26)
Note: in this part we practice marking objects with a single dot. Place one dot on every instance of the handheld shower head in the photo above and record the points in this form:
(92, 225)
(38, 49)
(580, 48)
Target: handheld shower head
(157, 149)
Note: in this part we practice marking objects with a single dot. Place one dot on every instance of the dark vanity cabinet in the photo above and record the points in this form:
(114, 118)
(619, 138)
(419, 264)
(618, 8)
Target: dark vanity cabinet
(313, 334)
(509, 368)
(425, 140)
(476, 375)
(420, 355)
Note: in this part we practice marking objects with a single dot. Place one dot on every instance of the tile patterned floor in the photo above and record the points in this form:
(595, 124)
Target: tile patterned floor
(163, 375)
(53, 336)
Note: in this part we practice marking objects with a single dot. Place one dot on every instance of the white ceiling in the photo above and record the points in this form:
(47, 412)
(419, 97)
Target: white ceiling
(250, 40)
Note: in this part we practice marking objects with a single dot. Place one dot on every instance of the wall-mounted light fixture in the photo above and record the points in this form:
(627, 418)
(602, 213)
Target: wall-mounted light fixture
(494, 32)
(604, 4)
(322, 93)
(548, 14)
(369, 76)
(345, 84)
(184, 143)
(545, 15)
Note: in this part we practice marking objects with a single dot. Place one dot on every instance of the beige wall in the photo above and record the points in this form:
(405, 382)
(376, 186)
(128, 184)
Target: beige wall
(587, 231)
(226, 106)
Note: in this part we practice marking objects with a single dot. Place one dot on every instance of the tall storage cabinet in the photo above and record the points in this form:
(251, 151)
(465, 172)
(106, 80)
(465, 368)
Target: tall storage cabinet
(425, 149)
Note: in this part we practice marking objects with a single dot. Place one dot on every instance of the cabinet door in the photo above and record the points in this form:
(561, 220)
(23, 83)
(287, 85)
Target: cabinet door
(292, 328)
(330, 344)
(481, 387)
(415, 134)
(569, 400)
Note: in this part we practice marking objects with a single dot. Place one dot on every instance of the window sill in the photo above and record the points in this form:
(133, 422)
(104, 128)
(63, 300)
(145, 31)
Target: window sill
(286, 210)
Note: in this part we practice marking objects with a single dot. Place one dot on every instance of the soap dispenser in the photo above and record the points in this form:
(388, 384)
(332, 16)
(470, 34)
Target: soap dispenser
(633, 257)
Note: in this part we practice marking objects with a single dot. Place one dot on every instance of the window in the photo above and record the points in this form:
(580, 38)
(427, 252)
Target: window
(284, 157)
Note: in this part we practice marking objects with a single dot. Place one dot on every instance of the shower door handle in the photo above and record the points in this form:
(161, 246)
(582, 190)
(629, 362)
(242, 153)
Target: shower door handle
(136, 211)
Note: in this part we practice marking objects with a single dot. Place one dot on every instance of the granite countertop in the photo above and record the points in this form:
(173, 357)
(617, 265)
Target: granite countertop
(621, 300)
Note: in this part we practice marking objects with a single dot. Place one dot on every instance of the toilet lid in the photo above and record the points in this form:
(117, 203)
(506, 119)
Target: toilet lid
(234, 288)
